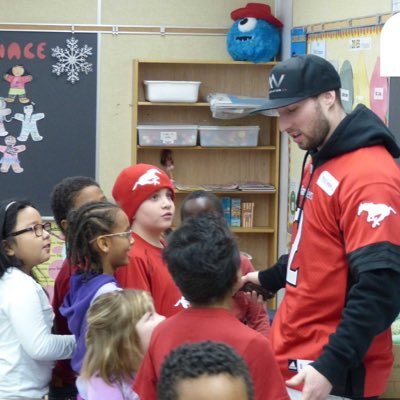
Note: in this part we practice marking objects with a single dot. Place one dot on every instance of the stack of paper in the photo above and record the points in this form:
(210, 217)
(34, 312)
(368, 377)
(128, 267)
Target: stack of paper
(230, 106)
(256, 186)
(211, 187)
(189, 188)
(222, 187)
(251, 186)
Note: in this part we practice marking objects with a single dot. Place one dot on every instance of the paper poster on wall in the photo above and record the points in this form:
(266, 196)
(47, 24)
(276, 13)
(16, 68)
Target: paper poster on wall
(47, 272)
(361, 82)
(379, 92)
(47, 124)
(293, 189)
(360, 43)
(318, 48)
(298, 41)
(347, 89)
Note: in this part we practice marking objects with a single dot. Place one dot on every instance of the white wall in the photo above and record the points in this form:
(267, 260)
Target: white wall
(306, 12)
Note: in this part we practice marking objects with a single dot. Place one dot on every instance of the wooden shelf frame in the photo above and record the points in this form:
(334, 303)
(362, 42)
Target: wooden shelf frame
(198, 165)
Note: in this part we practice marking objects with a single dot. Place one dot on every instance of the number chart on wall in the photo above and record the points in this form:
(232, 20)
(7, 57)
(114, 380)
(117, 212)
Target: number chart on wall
(47, 112)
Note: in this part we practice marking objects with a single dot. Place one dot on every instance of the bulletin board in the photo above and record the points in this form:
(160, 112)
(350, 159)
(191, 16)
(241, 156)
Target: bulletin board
(47, 112)
(355, 55)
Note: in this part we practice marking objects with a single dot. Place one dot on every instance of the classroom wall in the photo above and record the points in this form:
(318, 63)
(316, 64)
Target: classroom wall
(307, 12)
(117, 52)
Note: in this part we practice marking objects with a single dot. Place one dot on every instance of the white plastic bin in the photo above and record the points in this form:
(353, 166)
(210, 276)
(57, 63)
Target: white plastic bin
(171, 91)
(167, 135)
(229, 136)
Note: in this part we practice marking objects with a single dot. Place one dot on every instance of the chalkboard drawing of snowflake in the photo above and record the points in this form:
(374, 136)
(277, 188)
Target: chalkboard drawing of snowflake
(72, 60)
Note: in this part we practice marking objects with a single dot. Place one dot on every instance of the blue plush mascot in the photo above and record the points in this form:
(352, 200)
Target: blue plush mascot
(255, 36)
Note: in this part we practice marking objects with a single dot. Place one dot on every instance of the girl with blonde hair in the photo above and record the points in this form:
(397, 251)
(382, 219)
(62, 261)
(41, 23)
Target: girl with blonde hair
(119, 328)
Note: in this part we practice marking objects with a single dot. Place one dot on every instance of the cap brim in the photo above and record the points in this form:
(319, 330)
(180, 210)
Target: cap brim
(273, 104)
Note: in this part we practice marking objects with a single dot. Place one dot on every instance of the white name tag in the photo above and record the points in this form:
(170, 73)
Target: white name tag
(328, 183)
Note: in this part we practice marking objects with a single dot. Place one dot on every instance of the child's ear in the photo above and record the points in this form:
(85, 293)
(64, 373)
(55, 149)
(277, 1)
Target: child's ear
(103, 244)
(64, 225)
(237, 282)
(9, 251)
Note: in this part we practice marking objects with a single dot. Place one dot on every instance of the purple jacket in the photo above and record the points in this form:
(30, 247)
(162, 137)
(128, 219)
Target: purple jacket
(83, 288)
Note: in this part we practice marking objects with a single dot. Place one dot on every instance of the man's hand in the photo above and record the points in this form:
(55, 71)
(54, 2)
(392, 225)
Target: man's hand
(316, 386)
(253, 278)
(250, 277)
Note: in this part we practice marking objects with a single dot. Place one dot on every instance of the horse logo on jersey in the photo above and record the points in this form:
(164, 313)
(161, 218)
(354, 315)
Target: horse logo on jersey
(182, 302)
(148, 178)
(376, 212)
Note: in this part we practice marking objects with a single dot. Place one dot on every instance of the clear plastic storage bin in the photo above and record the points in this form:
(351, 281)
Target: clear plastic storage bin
(167, 135)
(171, 91)
(229, 136)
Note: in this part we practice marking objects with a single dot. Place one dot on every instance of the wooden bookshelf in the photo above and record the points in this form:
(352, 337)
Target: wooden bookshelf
(205, 165)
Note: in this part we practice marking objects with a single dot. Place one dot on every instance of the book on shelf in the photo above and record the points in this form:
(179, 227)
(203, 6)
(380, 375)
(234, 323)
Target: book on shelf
(236, 212)
(226, 206)
(247, 214)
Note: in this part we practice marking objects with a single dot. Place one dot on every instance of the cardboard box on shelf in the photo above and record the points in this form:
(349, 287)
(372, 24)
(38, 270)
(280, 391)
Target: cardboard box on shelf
(393, 386)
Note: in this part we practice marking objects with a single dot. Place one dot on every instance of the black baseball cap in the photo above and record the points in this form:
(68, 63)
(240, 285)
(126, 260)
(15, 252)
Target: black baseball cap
(298, 78)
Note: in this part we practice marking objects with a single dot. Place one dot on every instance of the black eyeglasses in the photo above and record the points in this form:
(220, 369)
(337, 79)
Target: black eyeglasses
(38, 229)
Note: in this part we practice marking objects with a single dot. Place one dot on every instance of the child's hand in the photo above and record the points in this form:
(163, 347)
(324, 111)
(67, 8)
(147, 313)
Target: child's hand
(145, 327)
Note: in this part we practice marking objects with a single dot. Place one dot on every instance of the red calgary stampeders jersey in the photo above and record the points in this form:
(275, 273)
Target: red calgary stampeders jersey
(147, 271)
(342, 212)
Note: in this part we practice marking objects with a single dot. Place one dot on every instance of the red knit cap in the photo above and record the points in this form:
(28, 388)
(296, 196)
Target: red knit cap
(137, 183)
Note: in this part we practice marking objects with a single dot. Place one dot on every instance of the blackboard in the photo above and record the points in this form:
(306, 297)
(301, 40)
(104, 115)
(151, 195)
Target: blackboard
(68, 127)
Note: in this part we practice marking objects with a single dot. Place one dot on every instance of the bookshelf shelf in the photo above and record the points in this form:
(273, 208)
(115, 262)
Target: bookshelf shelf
(150, 104)
(199, 148)
(198, 165)
(260, 229)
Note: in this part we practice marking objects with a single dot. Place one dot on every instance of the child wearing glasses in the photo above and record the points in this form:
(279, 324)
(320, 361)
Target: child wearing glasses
(146, 194)
(99, 239)
(119, 325)
(27, 347)
(69, 194)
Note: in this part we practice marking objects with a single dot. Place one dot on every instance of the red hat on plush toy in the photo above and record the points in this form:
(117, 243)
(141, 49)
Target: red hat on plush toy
(137, 183)
(256, 10)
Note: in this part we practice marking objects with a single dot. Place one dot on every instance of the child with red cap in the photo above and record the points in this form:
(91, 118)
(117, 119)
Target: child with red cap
(146, 194)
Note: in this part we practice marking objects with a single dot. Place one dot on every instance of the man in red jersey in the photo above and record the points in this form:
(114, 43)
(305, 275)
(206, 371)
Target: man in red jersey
(331, 334)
